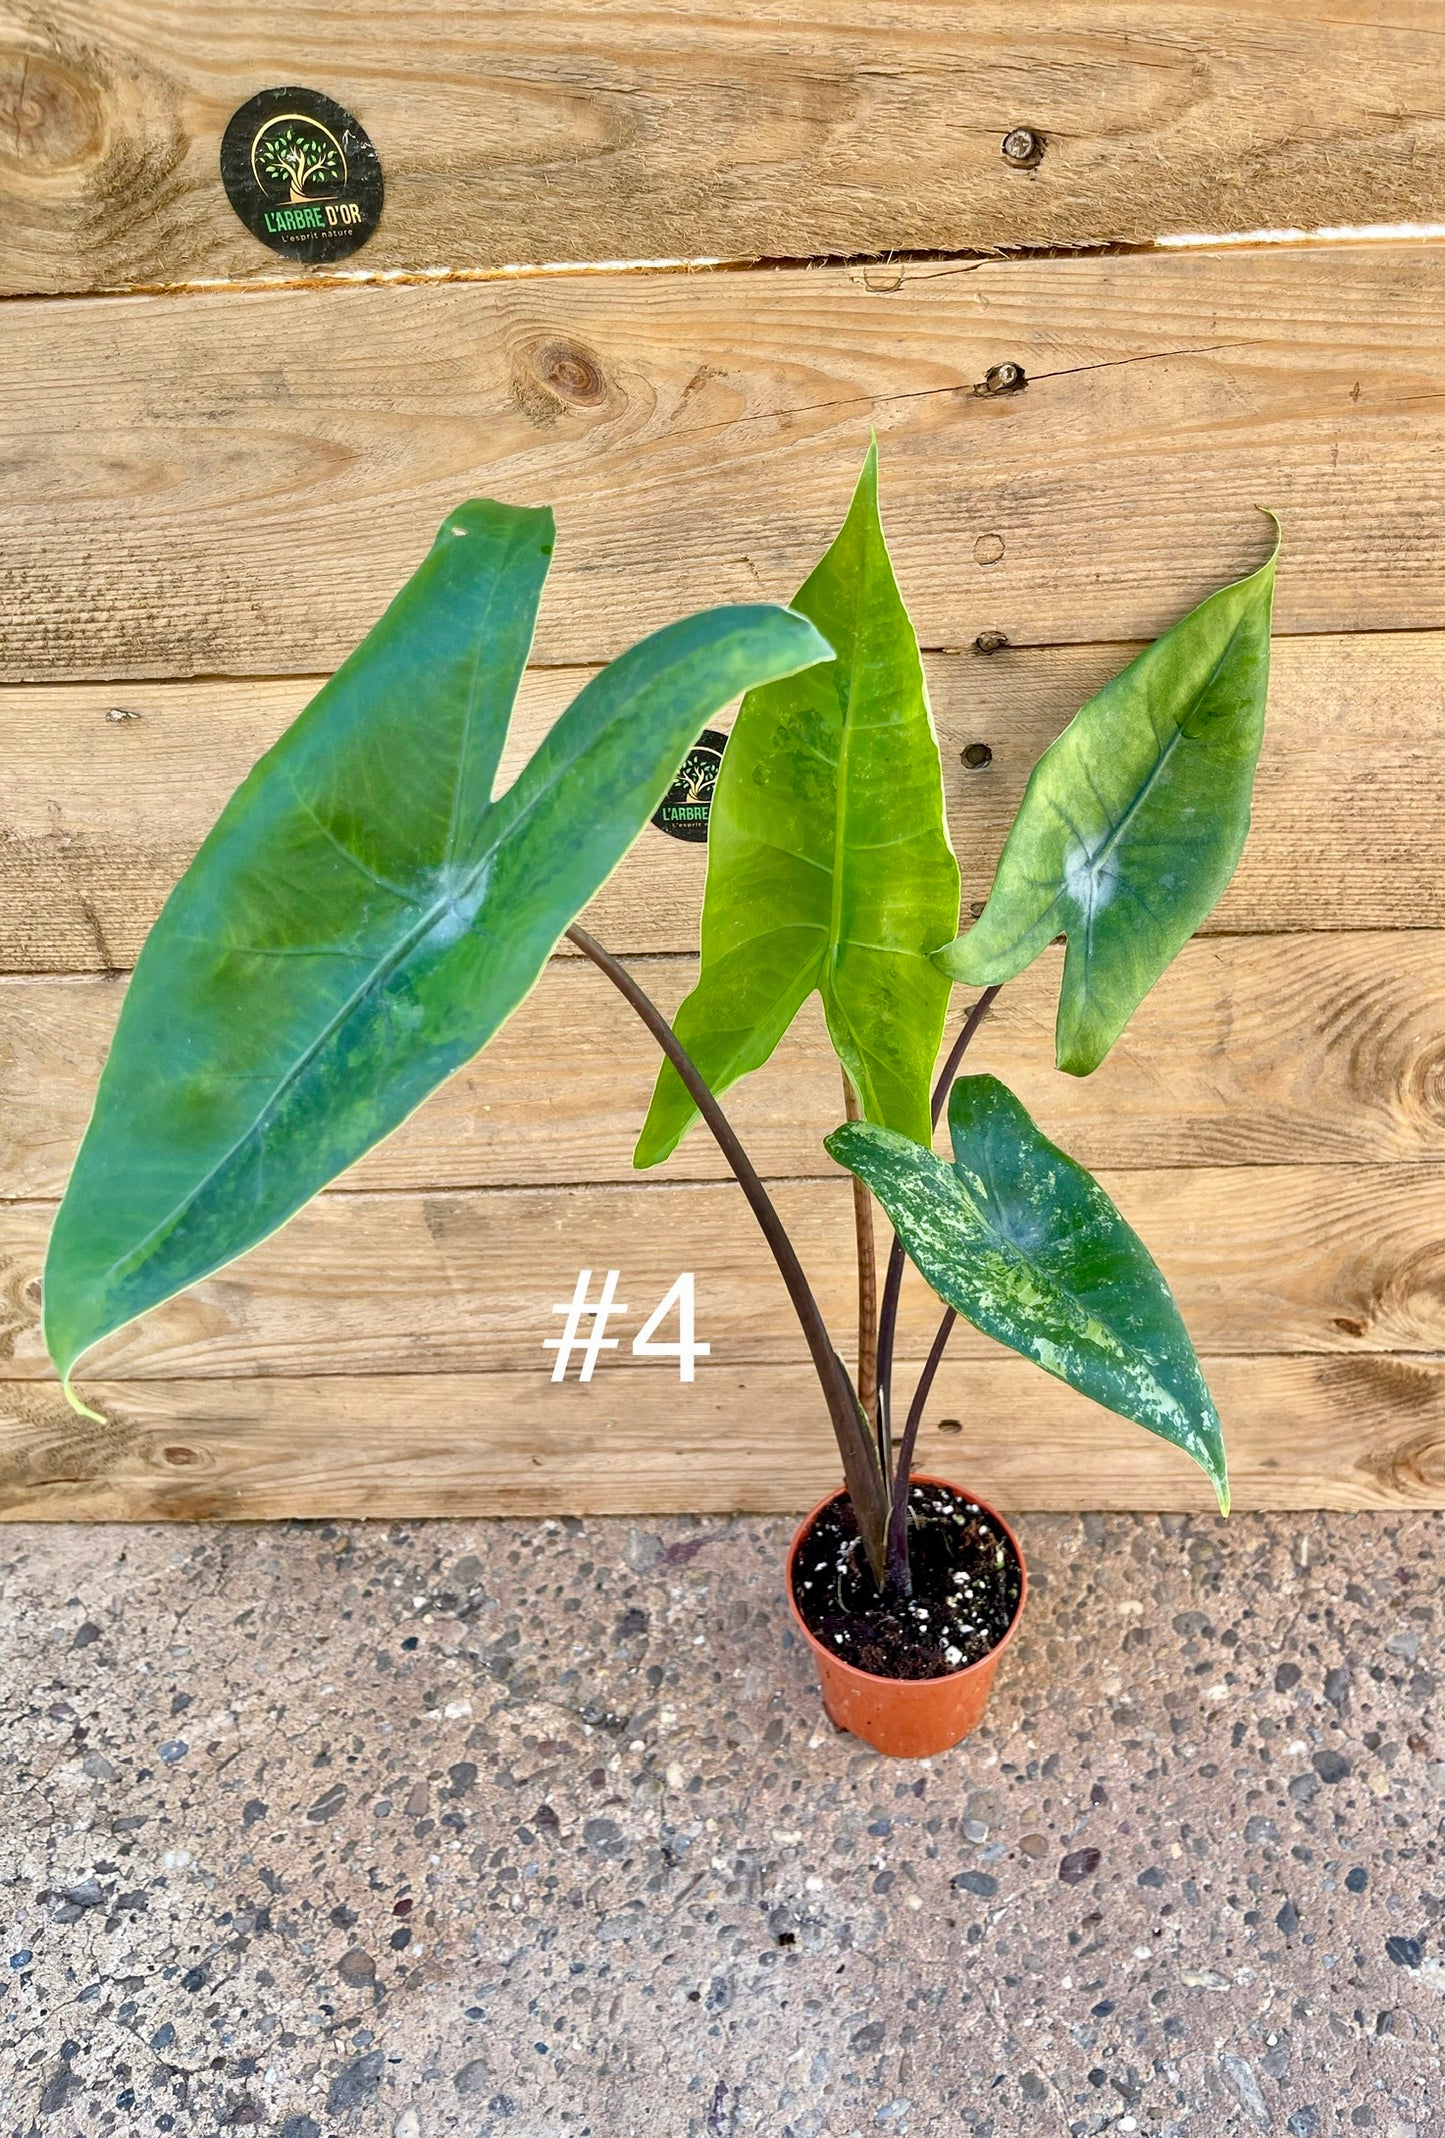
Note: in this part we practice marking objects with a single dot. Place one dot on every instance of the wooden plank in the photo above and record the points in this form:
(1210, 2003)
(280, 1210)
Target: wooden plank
(1261, 1259)
(1252, 1050)
(581, 131)
(238, 484)
(1302, 1432)
(100, 815)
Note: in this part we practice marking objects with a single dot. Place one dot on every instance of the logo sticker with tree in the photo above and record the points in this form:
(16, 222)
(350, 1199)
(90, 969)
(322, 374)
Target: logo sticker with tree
(684, 809)
(299, 155)
(302, 174)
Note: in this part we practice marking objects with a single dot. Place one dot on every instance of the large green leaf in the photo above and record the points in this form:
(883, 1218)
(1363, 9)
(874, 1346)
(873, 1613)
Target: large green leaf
(1132, 822)
(829, 864)
(364, 915)
(1028, 1247)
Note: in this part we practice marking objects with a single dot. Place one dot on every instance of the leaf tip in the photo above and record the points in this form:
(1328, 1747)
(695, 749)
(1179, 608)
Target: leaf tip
(812, 648)
(646, 1154)
(952, 960)
(1278, 525)
(482, 515)
(669, 1118)
(1212, 1458)
(81, 1409)
(865, 490)
(1075, 1057)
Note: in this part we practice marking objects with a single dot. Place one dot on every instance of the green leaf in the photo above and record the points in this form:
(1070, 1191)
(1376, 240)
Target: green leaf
(364, 916)
(1028, 1247)
(1132, 822)
(829, 863)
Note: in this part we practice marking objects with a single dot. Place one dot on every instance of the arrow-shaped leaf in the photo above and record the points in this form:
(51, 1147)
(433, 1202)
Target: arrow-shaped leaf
(1132, 822)
(363, 916)
(1027, 1246)
(829, 864)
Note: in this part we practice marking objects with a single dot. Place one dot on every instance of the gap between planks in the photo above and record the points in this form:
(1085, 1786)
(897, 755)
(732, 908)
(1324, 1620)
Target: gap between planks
(1301, 1432)
(574, 129)
(1338, 238)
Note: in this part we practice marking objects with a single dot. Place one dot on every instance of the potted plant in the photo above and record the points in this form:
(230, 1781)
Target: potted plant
(829, 867)
(366, 914)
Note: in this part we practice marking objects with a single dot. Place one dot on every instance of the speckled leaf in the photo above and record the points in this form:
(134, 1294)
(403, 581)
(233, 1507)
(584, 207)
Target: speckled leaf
(364, 916)
(1028, 1247)
(1132, 822)
(829, 864)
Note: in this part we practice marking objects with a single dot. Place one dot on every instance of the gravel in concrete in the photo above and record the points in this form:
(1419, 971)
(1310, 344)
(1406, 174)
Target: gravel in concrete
(538, 1830)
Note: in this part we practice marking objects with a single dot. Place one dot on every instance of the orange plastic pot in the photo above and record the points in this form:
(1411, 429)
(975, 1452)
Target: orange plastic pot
(908, 1718)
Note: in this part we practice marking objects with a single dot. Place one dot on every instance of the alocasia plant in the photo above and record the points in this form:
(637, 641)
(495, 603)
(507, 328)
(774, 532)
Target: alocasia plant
(366, 914)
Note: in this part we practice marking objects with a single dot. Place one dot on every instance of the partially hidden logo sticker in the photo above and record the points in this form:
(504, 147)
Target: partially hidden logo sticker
(683, 811)
(302, 174)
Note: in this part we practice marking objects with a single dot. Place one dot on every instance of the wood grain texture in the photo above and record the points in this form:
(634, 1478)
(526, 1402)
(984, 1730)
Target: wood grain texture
(100, 815)
(584, 131)
(1252, 1050)
(238, 485)
(1261, 1259)
(229, 488)
(1301, 1432)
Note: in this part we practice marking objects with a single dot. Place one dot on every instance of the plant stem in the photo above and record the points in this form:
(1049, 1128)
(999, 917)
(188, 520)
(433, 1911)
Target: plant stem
(887, 1326)
(898, 1579)
(971, 1024)
(892, 1282)
(867, 1291)
(867, 1488)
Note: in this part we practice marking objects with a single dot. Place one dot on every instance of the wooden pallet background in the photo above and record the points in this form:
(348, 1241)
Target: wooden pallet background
(216, 466)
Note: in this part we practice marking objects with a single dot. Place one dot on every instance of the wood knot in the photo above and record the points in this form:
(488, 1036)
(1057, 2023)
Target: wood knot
(1423, 1086)
(17, 1309)
(573, 372)
(180, 1458)
(1413, 1469)
(50, 116)
(556, 374)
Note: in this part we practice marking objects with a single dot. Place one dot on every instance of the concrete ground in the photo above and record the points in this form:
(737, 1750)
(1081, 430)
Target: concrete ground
(539, 1830)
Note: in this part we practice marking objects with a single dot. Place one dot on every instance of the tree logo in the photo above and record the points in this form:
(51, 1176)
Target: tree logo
(298, 159)
(301, 173)
(684, 809)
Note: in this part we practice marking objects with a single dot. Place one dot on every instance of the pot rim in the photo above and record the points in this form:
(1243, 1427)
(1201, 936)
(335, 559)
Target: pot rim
(874, 1677)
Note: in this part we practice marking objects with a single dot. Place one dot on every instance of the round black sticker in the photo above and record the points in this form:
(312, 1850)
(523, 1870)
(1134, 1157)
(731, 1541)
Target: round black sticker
(683, 811)
(301, 174)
